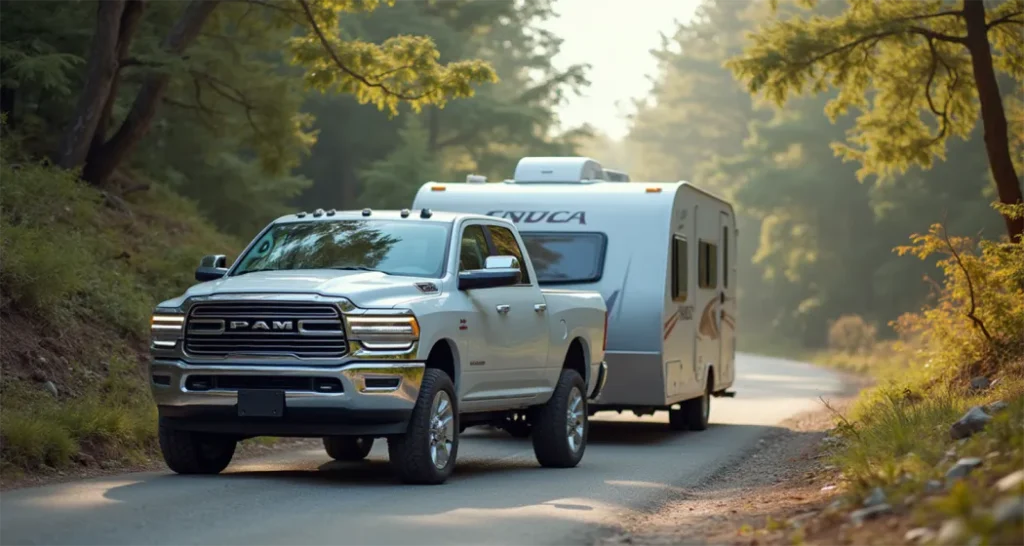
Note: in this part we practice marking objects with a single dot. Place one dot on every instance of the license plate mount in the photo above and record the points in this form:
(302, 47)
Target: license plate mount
(260, 403)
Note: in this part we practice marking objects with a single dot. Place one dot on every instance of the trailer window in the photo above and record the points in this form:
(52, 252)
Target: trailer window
(506, 245)
(707, 266)
(680, 268)
(560, 258)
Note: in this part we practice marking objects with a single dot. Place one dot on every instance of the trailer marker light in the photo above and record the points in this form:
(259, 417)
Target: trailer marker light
(653, 190)
(437, 188)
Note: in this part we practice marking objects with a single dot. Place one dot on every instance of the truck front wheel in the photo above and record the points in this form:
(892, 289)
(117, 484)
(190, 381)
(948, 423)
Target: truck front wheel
(187, 452)
(562, 424)
(426, 453)
(348, 448)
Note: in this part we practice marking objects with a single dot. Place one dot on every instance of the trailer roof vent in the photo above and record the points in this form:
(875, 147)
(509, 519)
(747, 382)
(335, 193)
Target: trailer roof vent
(476, 179)
(558, 170)
(615, 176)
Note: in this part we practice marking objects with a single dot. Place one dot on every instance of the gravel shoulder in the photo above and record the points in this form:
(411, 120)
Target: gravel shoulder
(765, 498)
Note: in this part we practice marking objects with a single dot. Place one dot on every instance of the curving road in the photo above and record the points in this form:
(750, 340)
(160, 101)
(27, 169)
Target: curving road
(498, 494)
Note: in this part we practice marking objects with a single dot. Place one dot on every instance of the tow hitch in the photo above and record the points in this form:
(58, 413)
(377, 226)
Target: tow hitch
(727, 394)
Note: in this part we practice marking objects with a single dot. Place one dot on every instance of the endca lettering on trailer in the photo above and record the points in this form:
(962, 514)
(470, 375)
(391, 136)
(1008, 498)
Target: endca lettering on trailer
(539, 216)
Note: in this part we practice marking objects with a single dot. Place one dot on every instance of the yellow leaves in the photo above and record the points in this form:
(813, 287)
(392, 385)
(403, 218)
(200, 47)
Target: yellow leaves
(901, 64)
(402, 69)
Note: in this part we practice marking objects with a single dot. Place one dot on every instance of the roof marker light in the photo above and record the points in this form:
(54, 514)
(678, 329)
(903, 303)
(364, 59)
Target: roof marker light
(331, 212)
(367, 212)
(437, 188)
(318, 213)
(653, 190)
(425, 213)
(405, 213)
(300, 214)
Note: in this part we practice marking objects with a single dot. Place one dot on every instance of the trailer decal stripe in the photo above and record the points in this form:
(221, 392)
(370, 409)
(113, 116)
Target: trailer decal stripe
(674, 320)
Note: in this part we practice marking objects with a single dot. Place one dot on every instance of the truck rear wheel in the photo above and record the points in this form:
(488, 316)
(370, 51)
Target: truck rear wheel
(348, 448)
(187, 452)
(426, 453)
(562, 424)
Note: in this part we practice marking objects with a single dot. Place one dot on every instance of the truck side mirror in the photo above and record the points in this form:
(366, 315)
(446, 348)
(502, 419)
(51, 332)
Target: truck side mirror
(498, 271)
(212, 267)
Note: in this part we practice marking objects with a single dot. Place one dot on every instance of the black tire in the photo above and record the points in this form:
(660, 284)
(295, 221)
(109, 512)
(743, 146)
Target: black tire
(696, 411)
(187, 452)
(551, 441)
(677, 418)
(348, 448)
(410, 453)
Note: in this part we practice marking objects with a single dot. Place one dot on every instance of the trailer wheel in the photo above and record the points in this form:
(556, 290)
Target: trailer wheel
(694, 413)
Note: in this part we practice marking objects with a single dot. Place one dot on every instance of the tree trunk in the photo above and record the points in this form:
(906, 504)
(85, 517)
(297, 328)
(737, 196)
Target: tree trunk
(7, 101)
(993, 116)
(102, 162)
(130, 18)
(100, 73)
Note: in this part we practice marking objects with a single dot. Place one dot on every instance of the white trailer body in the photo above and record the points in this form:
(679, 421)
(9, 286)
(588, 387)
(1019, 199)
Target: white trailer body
(663, 255)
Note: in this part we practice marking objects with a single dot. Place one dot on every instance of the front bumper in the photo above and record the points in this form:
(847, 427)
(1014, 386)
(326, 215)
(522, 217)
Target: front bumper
(602, 377)
(374, 398)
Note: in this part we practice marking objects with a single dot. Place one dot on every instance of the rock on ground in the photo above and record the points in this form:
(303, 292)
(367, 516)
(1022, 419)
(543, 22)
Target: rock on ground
(973, 421)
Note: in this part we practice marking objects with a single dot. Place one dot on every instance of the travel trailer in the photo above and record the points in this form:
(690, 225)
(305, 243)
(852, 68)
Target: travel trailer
(663, 255)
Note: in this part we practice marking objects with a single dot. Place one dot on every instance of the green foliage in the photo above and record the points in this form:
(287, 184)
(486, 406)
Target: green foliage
(116, 421)
(402, 69)
(485, 135)
(390, 181)
(69, 255)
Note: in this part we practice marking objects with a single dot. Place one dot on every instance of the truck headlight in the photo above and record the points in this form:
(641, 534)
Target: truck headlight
(165, 328)
(384, 332)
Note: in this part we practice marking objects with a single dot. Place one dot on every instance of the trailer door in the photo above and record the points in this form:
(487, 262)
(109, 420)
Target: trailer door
(727, 300)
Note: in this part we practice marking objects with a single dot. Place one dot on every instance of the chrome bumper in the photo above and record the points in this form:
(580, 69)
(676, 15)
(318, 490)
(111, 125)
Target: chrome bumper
(393, 386)
(602, 377)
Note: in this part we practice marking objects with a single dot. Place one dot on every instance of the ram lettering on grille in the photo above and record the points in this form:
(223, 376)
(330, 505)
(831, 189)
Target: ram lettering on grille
(229, 329)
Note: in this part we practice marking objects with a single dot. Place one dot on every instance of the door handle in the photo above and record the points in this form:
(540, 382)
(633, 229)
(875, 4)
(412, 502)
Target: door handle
(503, 308)
(540, 307)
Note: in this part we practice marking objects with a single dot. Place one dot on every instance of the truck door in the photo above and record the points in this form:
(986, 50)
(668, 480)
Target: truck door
(727, 300)
(527, 332)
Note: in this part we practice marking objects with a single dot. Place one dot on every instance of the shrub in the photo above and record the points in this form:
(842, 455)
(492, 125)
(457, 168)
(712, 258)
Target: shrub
(851, 334)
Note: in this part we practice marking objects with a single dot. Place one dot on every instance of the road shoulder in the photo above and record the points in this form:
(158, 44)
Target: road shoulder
(761, 499)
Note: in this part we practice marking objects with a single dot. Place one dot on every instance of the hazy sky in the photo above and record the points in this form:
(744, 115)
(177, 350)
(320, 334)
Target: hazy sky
(615, 37)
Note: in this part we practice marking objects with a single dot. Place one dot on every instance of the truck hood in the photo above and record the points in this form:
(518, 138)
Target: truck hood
(363, 288)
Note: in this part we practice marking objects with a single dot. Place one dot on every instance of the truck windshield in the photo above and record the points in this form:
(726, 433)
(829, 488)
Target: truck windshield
(397, 248)
(566, 257)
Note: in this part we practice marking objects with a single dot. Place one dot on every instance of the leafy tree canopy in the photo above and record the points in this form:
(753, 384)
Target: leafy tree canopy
(919, 72)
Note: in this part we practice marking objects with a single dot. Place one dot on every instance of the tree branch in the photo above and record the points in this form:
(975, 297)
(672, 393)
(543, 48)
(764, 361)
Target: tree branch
(1008, 18)
(337, 61)
(878, 36)
(970, 285)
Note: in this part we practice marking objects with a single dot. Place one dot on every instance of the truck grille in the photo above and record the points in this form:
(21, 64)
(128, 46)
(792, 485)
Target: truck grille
(230, 329)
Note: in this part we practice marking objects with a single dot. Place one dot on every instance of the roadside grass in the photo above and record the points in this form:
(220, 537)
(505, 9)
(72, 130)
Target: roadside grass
(962, 351)
(81, 270)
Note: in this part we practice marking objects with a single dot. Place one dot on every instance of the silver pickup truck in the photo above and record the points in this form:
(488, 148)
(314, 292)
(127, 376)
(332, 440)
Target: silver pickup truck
(353, 326)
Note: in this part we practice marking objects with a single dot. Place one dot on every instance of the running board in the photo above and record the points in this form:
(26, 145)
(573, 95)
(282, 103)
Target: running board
(727, 394)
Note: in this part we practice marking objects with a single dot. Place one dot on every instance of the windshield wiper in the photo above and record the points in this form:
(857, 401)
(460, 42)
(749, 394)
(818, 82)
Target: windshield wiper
(257, 271)
(359, 268)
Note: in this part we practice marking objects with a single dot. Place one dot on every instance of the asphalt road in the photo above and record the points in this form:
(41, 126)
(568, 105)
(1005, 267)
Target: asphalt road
(498, 494)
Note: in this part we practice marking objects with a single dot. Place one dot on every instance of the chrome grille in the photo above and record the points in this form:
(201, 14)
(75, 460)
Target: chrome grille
(239, 329)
